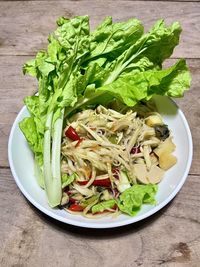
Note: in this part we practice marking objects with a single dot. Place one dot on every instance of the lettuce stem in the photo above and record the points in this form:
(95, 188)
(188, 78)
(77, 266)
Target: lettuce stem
(47, 156)
(52, 184)
(56, 155)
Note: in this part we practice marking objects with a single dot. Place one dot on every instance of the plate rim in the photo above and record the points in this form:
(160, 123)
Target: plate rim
(115, 224)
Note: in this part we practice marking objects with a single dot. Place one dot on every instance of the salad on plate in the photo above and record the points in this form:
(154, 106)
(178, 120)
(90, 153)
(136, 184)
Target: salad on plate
(99, 144)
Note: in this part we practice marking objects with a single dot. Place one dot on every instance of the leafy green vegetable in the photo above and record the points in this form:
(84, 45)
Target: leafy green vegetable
(68, 179)
(28, 127)
(157, 45)
(123, 182)
(131, 200)
(113, 38)
(57, 70)
(86, 202)
(35, 140)
(104, 205)
(81, 69)
(132, 88)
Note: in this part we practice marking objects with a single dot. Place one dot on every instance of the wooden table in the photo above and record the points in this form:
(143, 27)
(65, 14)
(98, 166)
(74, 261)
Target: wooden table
(28, 237)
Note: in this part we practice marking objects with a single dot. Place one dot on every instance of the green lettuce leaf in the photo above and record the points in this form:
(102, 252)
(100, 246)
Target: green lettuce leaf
(33, 106)
(114, 38)
(57, 70)
(131, 200)
(104, 205)
(29, 68)
(131, 89)
(28, 127)
(33, 137)
(137, 86)
(89, 201)
(157, 45)
(35, 141)
(68, 179)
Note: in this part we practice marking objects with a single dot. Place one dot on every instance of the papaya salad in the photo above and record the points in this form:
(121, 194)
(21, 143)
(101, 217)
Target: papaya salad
(100, 146)
(108, 157)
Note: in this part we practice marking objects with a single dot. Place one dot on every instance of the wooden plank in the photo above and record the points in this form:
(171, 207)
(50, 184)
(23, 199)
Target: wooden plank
(12, 77)
(14, 87)
(169, 238)
(25, 25)
(104, 0)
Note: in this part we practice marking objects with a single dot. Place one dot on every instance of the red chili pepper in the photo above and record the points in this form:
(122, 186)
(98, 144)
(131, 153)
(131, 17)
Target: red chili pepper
(103, 182)
(75, 207)
(79, 141)
(72, 134)
(135, 150)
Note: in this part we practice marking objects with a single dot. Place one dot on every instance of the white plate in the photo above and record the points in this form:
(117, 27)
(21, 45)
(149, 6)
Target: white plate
(22, 167)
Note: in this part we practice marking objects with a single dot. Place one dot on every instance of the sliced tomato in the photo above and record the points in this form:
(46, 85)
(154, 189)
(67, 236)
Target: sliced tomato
(75, 207)
(103, 182)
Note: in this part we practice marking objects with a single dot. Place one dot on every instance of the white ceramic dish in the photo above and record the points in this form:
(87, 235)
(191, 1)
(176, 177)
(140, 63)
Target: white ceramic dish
(22, 167)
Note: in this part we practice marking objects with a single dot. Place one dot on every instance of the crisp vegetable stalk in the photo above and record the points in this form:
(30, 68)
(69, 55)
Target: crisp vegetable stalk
(82, 69)
(56, 153)
(52, 183)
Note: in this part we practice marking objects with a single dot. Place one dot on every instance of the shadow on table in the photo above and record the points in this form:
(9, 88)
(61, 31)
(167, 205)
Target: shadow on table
(91, 233)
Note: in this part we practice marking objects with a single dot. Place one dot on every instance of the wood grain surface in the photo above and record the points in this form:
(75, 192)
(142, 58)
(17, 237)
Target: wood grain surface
(29, 238)
(24, 29)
